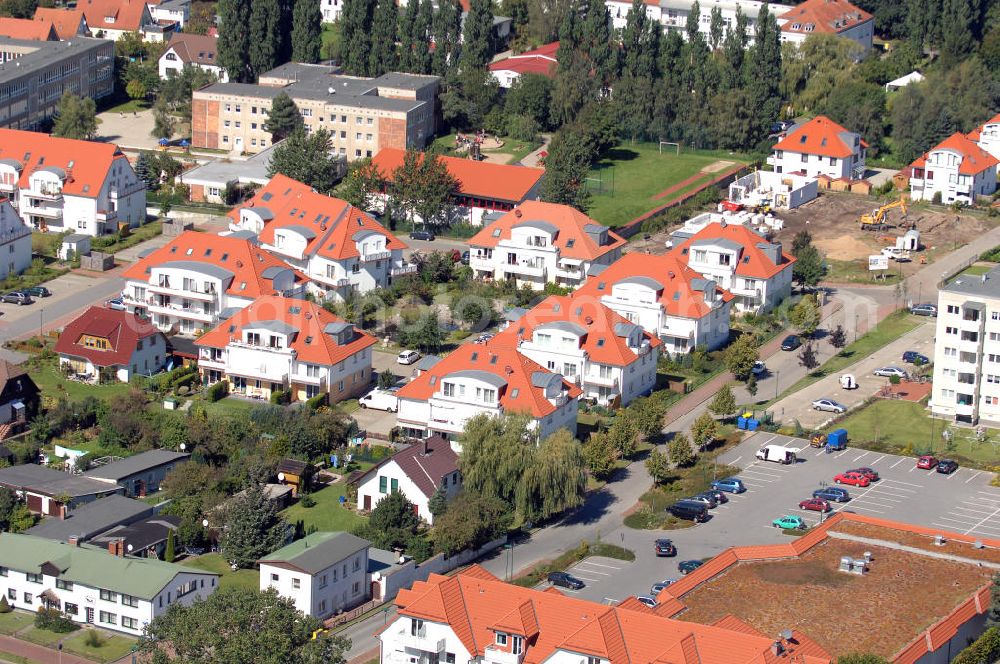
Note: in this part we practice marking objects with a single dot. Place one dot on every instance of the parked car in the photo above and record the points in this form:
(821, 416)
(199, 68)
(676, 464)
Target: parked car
(947, 466)
(759, 368)
(688, 566)
(380, 400)
(924, 310)
(791, 342)
(691, 510)
(852, 478)
(647, 600)
(465, 257)
(870, 473)
(834, 493)
(658, 588)
(483, 338)
(730, 484)
(927, 461)
(665, 547)
(115, 304)
(422, 235)
(829, 405)
(709, 500)
(789, 522)
(889, 372)
(815, 505)
(38, 291)
(566, 580)
(407, 357)
(913, 357)
(720, 496)
(17, 297)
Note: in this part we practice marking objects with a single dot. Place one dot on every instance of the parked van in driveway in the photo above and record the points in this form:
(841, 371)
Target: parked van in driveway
(380, 400)
(777, 453)
(690, 510)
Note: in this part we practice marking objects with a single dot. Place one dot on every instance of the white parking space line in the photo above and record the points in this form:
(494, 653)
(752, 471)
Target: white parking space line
(931, 472)
(868, 501)
(897, 463)
(757, 479)
(906, 483)
(573, 571)
(879, 459)
(942, 525)
(588, 562)
(995, 512)
(867, 509)
(588, 571)
(842, 454)
(973, 510)
(881, 496)
(978, 473)
(861, 456)
(951, 476)
(964, 522)
(736, 460)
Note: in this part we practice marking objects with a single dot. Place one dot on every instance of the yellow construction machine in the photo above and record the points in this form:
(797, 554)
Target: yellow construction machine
(876, 221)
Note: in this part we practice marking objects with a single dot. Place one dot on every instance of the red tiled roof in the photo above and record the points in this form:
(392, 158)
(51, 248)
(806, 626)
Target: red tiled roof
(601, 342)
(479, 179)
(311, 342)
(196, 49)
(829, 16)
(26, 28)
(87, 164)
(541, 60)
(677, 294)
(244, 259)
(974, 159)
(572, 238)
(65, 21)
(331, 221)
(124, 14)
(752, 260)
(821, 136)
(121, 328)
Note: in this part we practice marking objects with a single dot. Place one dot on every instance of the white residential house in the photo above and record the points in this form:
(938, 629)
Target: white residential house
(95, 585)
(957, 170)
(820, 148)
(330, 9)
(111, 341)
(111, 19)
(185, 50)
(170, 11)
(15, 242)
(541, 61)
(62, 184)
(987, 136)
(324, 573)
(831, 17)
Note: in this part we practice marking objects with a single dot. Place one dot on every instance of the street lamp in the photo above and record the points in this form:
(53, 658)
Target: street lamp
(41, 322)
(776, 375)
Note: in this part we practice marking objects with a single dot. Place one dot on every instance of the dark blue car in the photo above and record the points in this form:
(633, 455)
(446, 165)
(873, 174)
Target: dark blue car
(834, 493)
(913, 357)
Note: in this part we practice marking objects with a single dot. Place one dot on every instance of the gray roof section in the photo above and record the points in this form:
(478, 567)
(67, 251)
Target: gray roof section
(539, 225)
(363, 233)
(304, 231)
(563, 326)
(272, 271)
(207, 269)
(139, 463)
(244, 235)
(39, 54)
(402, 81)
(299, 71)
(594, 228)
(648, 282)
(545, 380)
(263, 212)
(427, 361)
(514, 314)
(318, 551)
(336, 328)
(987, 285)
(477, 374)
(625, 329)
(73, 238)
(54, 170)
(49, 482)
(718, 242)
(92, 518)
(13, 163)
(223, 171)
(279, 326)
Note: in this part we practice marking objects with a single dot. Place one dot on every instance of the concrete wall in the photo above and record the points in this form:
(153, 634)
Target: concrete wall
(404, 576)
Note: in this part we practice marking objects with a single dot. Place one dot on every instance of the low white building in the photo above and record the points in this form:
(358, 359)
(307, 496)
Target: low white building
(94, 585)
(323, 573)
(956, 170)
(185, 49)
(165, 12)
(15, 242)
(62, 184)
(820, 147)
(777, 191)
(903, 81)
(111, 341)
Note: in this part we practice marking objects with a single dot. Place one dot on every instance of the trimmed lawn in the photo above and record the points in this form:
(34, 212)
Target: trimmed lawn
(230, 406)
(214, 562)
(331, 40)
(51, 383)
(14, 621)
(141, 234)
(624, 181)
(42, 637)
(856, 272)
(326, 514)
(114, 647)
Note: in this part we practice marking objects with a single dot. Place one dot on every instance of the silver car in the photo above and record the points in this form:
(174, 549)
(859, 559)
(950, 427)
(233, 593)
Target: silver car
(924, 310)
(829, 405)
(889, 372)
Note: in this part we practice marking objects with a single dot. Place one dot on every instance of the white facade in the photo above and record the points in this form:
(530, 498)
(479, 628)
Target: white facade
(862, 33)
(15, 242)
(331, 9)
(391, 477)
(339, 587)
(184, 295)
(171, 11)
(813, 165)
(719, 260)
(409, 640)
(171, 64)
(147, 359)
(942, 175)
(773, 190)
(989, 138)
(673, 14)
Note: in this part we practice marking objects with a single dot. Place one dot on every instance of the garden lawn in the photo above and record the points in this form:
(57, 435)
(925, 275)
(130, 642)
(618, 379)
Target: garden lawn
(13, 621)
(230, 406)
(326, 514)
(515, 149)
(51, 383)
(42, 637)
(214, 562)
(113, 648)
(624, 181)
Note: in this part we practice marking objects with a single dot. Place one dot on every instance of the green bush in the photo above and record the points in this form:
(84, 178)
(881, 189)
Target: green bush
(54, 621)
(280, 397)
(94, 639)
(317, 401)
(4, 606)
(307, 501)
(217, 391)
(985, 649)
(992, 255)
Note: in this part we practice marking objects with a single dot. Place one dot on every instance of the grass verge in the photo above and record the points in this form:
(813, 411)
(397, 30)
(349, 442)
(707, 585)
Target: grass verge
(214, 562)
(539, 572)
(112, 648)
(42, 637)
(14, 621)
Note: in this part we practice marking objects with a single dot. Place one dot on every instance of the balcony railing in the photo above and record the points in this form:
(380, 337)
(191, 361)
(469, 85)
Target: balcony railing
(525, 268)
(166, 289)
(498, 656)
(48, 194)
(43, 211)
(283, 350)
(420, 641)
(180, 312)
(405, 269)
(376, 256)
(599, 380)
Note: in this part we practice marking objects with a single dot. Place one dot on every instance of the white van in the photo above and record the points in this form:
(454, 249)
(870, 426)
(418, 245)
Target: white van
(777, 453)
(380, 400)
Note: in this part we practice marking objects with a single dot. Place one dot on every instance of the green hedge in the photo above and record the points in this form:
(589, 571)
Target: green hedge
(985, 650)
(317, 401)
(217, 391)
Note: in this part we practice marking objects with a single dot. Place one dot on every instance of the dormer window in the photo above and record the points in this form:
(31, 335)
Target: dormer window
(253, 338)
(501, 639)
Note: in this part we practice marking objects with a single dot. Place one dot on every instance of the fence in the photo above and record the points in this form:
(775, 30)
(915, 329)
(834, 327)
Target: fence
(405, 575)
(348, 616)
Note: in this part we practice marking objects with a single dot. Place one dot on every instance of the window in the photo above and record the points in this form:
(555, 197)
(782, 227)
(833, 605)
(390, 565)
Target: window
(28, 598)
(128, 600)
(130, 623)
(994, 336)
(63, 585)
(995, 315)
(34, 578)
(501, 639)
(952, 308)
(274, 578)
(109, 596)
(322, 607)
(322, 581)
(416, 627)
(296, 583)
(950, 352)
(356, 588)
(3, 571)
(108, 618)
(993, 378)
(991, 401)
(394, 486)
(951, 330)
(186, 588)
(449, 389)
(486, 395)
(357, 564)
(383, 483)
(71, 609)
(12, 594)
(516, 645)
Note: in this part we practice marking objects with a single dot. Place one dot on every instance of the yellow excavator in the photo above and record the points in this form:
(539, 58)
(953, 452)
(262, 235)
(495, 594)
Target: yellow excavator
(876, 221)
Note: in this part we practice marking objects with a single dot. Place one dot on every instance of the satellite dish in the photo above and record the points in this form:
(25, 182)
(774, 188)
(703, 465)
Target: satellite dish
(129, 548)
(281, 477)
(183, 446)
(204, 523)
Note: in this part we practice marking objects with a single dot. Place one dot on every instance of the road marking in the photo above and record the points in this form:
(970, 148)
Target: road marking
(842, 454)
(912, 469)
(951, 476)
(941, 525)
(978, 473)
(736, 460)
(995, 512)
(861, 456)
(897, 463)
(931, 472)
(588, 562)
(584, 579)
(970, 509)
(906, 483)
(869, 509)
(990, 493)
(590, 571)
(964, 522)
(879, 459)
(873, 502)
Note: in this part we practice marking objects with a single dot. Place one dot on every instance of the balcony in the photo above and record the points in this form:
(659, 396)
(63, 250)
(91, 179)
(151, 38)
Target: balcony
(405, 269)
(281, 350)
(498, 656)
(165, 289)
(302, 379)
(598, 380)
(569, 272)
(481, 263)
(48, 193)
(420, 641)
(376, 256)
(107, 215)
(116, 193)
(177, 311)
(529, 269)
(29, 207)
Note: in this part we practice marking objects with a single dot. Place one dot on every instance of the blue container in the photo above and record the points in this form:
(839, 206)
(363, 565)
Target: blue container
(837, 439)
(753, 425)
(741, 423)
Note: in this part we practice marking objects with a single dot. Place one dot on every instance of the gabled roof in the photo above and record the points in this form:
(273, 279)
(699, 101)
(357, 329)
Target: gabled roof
(316, 552)
(974, 159)
(86, 164)
(306, 322)
(477, 179)
(679, 295)
(541, 60)
(10, 371)
(328, 224)
(25, 28)
(253, 269)
(125, 15)
(50, 482)
(65, 21)
(974, 135)
(138, 463)
(752, 260)
(604, 331)
(569, 225)
(500, 360)
(426, 463)
(122, 329)
(92, 518)
(829, 16)
(821, 136)
(195, 49)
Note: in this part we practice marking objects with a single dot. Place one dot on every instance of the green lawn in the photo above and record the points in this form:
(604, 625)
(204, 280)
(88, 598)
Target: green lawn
(137, 235)
(624, 180)
(975, 271)
(52, 383)
(906, 427)
(331, 41)
(42, 637)
(229, 406)
(326, 514)
(214, 562)
(856, 272)
(13, 621)
(113, 648)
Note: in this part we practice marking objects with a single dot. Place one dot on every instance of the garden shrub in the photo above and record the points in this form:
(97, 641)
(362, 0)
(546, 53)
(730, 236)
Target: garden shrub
(54, 620)
(94, 639)
(217, 391)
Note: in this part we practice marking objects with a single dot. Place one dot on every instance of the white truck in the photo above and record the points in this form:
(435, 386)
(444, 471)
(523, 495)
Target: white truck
(777, 453)
(897, 254)
(380, 400)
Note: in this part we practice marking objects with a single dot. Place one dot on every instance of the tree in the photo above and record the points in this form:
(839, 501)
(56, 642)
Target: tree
(956, 27)
(421, 37)
(21, 519)
(806, 315)
(169, 555)
(658, 465)
(624, 434)
(437, 505)
(647, 413)
(554, 481)
(362, 186)
(751, 385)
(284, 116)
(135, 89)
(807, 357)
(163, 122)
(477, 35)
(240, 625)
(530, 95)
(407, 37)
(252, 529)
(265, 36)
(496, 452)
(808, 268)
(715, 28)
(8, 501)
(447, 26)
(307, 158)
(75, 117)
(680, 451)
(423, 187)
(471, 522)
(741, 356)
(566, 169)
(763, 74)
(307, 31)
(704, 430)
(356, 24)
(838, 338)
(382, 58)
(801, 240)
(234, 39)
(392, 523)
(600, 455)
(724, 402)
(426, 334)
(993, 614)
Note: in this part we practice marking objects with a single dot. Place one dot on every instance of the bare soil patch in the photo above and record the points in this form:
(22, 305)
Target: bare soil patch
(717, 166)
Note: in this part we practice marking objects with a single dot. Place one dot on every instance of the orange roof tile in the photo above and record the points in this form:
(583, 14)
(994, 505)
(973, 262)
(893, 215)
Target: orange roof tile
(829, 16)
(311, 342)
(821, 136)
(975, 133)
(67, 22)
(113, 14)
(541, 60)
(752, 260)
(478, 179)
(87, 164)
(26, 28)
(250, 265)
(974, 159)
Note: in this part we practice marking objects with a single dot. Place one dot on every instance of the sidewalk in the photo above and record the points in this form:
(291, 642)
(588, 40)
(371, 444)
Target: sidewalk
(36, 653)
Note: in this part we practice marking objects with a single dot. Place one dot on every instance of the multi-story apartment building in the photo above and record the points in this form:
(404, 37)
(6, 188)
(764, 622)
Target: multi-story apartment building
(611, 359)
(540, 243)
(757, 272)
(35, 74)
(198, 279)
(338, 247)
(287, 345)
(15, 242)
(490, 378)
(987, 136)
(62, 184)
(667, 298)
(956, 170)
(363, 115)
(94, 585)
(820, 148)
(967, 350)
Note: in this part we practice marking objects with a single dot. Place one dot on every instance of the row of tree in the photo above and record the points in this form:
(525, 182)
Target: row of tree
(256, 36)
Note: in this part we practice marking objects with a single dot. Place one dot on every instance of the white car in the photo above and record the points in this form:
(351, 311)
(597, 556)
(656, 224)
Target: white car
(759, 368)
(407, 357)
(829, 405)
(380, 400)
(888, 372)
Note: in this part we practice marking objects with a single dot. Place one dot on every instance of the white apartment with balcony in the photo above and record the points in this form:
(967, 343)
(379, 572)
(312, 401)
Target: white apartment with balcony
(673, 14)
(337, 246)
(540, 243)
(956, 170)
(196, 279)
(287, 345)
(987, 136)
(820, 148)
(967, 350)
(490, 378)
(612, 360)
(667, 298)
(62, 184)
(757, 272)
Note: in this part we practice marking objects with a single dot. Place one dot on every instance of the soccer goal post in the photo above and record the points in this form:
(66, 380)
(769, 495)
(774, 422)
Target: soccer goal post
(677, 146)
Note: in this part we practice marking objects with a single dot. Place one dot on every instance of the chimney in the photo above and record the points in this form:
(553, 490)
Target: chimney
(73, 540)
(116, 547)
(425, 450)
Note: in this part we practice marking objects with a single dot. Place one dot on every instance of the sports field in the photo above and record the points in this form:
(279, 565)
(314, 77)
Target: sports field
(631, 179)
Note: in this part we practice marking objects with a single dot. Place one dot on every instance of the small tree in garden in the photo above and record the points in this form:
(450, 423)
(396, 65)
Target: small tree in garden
(838, 338)
(658, 465)
(169, 555)
(681, 452)
(724, 402)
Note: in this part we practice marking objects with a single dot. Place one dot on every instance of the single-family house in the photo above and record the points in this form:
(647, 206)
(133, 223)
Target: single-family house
(144, 538)
(987, 136)
(956, 170)
(541, 61)
(830, 17)
(19, 396)
(110, 19)
(113, 343)
(27, 29)
(820, 148)
(169, 13)
(52, 492)
(140, 474)
(185, 49)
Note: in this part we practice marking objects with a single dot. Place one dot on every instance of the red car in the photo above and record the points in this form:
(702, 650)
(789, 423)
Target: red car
(853, 478)
(815, 504)
(927, 462)
(870, 473)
